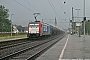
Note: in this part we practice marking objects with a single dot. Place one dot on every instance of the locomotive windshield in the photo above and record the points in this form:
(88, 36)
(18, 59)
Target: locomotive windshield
(34, 25)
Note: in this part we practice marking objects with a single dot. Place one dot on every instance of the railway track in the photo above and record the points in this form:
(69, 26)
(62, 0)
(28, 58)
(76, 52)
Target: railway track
(28, 50)
(12, 45)
(11, 42)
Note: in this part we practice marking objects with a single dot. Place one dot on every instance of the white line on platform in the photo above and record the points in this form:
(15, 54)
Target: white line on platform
(61, 55)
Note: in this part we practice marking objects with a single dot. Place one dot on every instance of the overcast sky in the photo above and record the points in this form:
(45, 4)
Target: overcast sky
(49, 9)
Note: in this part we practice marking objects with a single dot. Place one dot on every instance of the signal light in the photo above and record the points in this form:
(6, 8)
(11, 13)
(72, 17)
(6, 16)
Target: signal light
(82, 21)
(70, 20)
(84, 18)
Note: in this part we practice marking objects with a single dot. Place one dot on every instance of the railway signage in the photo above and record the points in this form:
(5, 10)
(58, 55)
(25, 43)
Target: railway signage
(78, 23)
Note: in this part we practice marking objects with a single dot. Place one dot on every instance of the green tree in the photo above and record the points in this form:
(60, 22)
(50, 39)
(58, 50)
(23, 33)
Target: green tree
(4, 21)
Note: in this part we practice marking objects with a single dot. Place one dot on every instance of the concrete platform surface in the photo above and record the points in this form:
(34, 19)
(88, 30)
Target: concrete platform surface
(12, 39)
(70, 47)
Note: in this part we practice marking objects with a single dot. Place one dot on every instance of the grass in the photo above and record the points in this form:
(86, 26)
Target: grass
(9, 37)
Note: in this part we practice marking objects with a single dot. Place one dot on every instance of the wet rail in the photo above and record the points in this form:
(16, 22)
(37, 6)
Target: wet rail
(12, 45)
(22, 48)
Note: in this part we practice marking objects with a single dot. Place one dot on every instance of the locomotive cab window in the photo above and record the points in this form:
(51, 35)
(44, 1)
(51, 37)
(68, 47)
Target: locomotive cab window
(34, 25)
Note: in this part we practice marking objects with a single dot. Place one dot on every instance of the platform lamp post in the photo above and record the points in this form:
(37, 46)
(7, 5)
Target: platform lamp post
(11, 24)
(78, 19)
(72, 21)
(84, 19)
(78, 12)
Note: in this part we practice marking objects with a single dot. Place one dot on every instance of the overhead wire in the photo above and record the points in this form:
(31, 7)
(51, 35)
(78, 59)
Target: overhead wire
(51, 4)
(62, 10)
(62, 7)
(36, 9)
(23, 6)
(27, 7)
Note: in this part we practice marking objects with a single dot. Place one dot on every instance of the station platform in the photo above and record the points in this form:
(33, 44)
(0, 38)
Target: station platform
(12, 39)
(70, 47)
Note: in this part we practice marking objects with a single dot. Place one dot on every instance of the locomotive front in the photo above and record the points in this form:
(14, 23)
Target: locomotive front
(34, 29)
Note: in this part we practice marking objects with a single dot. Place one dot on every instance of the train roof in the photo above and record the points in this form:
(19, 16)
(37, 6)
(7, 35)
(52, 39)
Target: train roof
(37, 21)
(34, 22)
